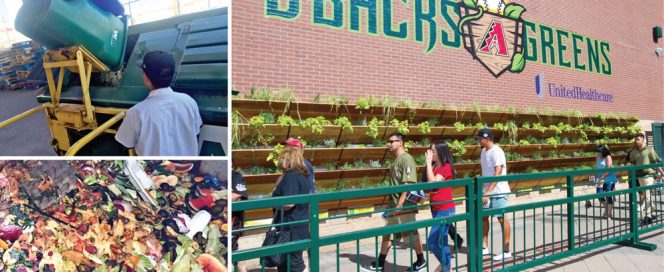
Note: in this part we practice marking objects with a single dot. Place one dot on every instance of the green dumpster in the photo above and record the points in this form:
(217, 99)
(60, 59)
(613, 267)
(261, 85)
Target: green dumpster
(62, 23)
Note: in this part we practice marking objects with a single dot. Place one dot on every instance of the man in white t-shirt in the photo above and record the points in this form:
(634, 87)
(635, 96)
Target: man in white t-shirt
(495, 194)
(166, 123)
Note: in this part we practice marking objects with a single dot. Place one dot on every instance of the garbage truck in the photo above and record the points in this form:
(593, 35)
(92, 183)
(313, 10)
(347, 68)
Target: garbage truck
(92, 67)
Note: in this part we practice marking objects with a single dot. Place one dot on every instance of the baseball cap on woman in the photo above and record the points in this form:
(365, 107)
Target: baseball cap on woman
(293, 142)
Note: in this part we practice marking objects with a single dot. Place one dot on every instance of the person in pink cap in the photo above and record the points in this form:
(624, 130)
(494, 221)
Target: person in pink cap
(295, 143)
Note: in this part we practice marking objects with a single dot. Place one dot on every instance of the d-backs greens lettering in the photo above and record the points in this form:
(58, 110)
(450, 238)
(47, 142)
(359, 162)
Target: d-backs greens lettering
(541, 43)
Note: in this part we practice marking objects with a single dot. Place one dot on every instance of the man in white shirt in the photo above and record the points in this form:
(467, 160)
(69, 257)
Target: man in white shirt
(166, 123)
(495, 194)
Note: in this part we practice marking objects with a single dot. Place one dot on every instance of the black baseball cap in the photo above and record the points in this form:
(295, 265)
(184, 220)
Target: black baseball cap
(484, 133)
(159, 67)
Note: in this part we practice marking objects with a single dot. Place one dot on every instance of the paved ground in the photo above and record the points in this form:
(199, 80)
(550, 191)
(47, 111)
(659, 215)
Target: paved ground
(535, 234)
(29, 136)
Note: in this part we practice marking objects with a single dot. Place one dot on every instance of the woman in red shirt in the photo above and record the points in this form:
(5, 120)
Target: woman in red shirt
(440, 168)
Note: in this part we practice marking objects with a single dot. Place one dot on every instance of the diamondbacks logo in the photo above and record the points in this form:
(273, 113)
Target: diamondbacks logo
(491, 31)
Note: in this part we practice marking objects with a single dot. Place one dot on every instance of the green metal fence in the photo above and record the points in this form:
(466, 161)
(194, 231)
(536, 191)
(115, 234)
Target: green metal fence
(542, 232)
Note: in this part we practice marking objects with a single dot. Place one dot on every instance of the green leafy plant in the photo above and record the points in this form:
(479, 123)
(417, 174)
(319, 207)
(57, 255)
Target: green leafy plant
(552, 141)
(476, 108)
(374, 164)
(342, 185)
(359, 164)
(424, 127)
(285, 120)
(402, 126)
(346, 166)
(634, 128)
(365, 183)
(330, 143)
(458, 149)
(274, 155)
(470, 141)
(372, 130)
(433, 121)
(564, 127)
(531, 170)
(601, 116)
(408, 144)
(420, 160)
(389, 105)
(236, 134)
(257, 121)
(594, 129)
(285, 95)
(365, 103)
(513, 156)
(539, 127)
(268, 117)
(608, 130)
(537, 155)
(555, 128)
(338, 101)
(344, 123)
(256, 170)
(525, 125)
(459, 126)
(432, 105)
(480, 125)
(316, 124)
(425, 142)
(512, 131)
(378, 143)
(330, 166)
(406, 103)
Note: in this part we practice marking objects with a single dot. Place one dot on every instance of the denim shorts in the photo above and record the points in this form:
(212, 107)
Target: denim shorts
(607, 187)
(496, 203)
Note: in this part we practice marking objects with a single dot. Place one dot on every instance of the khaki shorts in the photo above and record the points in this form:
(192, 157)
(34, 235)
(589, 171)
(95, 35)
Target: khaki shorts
(403, 217)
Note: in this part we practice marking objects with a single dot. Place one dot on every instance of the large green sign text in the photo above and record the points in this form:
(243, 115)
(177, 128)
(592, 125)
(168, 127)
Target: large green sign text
(541, 43)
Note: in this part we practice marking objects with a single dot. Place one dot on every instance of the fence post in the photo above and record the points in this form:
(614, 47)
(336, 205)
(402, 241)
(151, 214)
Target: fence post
(633, 214)
(570, 213)
(477, 234)
(471, 209)
(314, 221)
(634, 217)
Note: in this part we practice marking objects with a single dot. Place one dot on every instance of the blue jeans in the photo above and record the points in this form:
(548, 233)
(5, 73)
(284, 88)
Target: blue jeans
(438, 242)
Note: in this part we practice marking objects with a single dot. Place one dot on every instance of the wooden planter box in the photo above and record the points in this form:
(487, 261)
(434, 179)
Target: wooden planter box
(303, 110)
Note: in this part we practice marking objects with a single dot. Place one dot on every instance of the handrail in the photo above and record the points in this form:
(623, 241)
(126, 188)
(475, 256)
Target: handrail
(93, 134)
(472, 216)
(23, 115)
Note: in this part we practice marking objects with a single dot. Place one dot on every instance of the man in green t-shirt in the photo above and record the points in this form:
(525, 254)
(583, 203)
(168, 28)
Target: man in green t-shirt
(403, 171)
(641, 155)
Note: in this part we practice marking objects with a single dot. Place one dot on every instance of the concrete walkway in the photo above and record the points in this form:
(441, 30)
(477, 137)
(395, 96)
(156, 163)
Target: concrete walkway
(29, 136)
(534, 232)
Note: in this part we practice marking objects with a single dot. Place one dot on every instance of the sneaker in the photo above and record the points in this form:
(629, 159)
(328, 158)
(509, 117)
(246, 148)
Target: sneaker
(485, 251)
(500, 257)
(373, 267)
(416, 267)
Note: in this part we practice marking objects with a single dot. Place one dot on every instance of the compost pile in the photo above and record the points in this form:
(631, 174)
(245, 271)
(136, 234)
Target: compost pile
(90, 216)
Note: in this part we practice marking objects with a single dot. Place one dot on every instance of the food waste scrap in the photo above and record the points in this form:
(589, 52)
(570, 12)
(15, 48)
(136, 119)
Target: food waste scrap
(102, 216)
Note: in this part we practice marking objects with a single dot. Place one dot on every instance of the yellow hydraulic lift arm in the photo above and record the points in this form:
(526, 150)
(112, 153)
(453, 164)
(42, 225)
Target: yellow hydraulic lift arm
(61, 116)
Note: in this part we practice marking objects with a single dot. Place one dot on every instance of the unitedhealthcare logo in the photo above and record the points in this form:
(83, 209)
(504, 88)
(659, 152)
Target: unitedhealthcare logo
(539, 82)
(542, 88)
